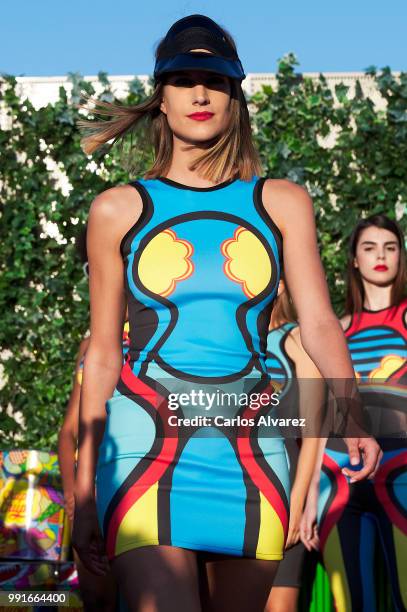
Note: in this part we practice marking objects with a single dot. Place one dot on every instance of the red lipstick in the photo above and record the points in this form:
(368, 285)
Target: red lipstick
(201, 116)
(381, 268)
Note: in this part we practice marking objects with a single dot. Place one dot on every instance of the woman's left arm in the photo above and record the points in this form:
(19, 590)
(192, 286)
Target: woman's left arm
(290, 207)
(311, 397)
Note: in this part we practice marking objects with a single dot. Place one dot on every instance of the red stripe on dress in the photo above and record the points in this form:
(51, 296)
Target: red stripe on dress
(256, 473)
(157, 468)
(338, 503)
(382, 493)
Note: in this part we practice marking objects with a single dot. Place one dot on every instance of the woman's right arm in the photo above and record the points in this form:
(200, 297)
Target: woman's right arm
(309, 528)
(311, 395)
(111, 215)
(68, 435)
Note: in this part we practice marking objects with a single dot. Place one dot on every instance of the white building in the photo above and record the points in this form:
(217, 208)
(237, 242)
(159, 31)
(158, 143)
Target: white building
(42, 90)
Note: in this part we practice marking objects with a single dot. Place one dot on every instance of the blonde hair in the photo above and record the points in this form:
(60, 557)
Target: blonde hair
(232, 154)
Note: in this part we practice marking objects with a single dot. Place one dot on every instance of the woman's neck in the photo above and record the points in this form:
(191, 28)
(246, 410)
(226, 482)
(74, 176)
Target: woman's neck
(376, 298)
(183, 157)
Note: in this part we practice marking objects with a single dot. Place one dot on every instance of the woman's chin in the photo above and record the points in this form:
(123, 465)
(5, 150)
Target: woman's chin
(199, 138)
(200, 143)
(379, 281)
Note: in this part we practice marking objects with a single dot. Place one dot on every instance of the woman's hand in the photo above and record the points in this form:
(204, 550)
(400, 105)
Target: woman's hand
(87, 539)
(371, 453)
(308, 525)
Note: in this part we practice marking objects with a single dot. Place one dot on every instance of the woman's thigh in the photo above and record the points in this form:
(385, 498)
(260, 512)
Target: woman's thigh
(283, 599)
(158, 579)
(96, 591)
(235, 584)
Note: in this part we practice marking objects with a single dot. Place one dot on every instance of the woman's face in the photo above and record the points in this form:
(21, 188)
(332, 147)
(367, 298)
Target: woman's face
(197, 105)
(377, 256)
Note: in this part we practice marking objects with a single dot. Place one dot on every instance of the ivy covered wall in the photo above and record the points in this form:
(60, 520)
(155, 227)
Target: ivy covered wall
(43, 292)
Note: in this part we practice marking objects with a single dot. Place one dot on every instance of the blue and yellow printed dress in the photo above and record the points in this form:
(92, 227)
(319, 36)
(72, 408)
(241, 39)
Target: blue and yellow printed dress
(202, 266)
(353, 517)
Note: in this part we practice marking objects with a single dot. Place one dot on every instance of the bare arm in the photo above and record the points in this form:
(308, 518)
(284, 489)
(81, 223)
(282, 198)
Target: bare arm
(309, 529)
(68, 436)
(311, 397)
(111, 215)
(308, 526)
(322, 337)
(291, 209)
(311, 394)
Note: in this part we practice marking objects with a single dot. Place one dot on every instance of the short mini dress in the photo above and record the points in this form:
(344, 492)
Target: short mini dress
(202, 267)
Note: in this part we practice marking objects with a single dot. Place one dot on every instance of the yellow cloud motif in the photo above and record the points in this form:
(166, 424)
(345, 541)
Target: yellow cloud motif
(388, 365)
(164, 262)
(247, 262)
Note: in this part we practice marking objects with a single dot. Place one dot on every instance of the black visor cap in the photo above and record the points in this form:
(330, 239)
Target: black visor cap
(197, 32)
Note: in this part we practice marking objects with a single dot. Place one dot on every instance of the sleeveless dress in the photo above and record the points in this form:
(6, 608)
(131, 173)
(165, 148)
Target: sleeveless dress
(283, 373)
(352, 517)
(202, 266)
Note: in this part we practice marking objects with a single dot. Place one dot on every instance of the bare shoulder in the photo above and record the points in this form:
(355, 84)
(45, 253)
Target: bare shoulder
(345, 321)
(286, 201)
(293, 346)
(295, 334)
(116, 209)
(284, 188)
(294, 340)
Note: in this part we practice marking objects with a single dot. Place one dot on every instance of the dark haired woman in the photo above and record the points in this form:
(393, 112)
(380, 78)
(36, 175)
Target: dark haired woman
(301, 395)
(187, 513)
(352, 516)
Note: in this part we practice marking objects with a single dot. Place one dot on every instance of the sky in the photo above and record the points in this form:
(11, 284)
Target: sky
(52, 37)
